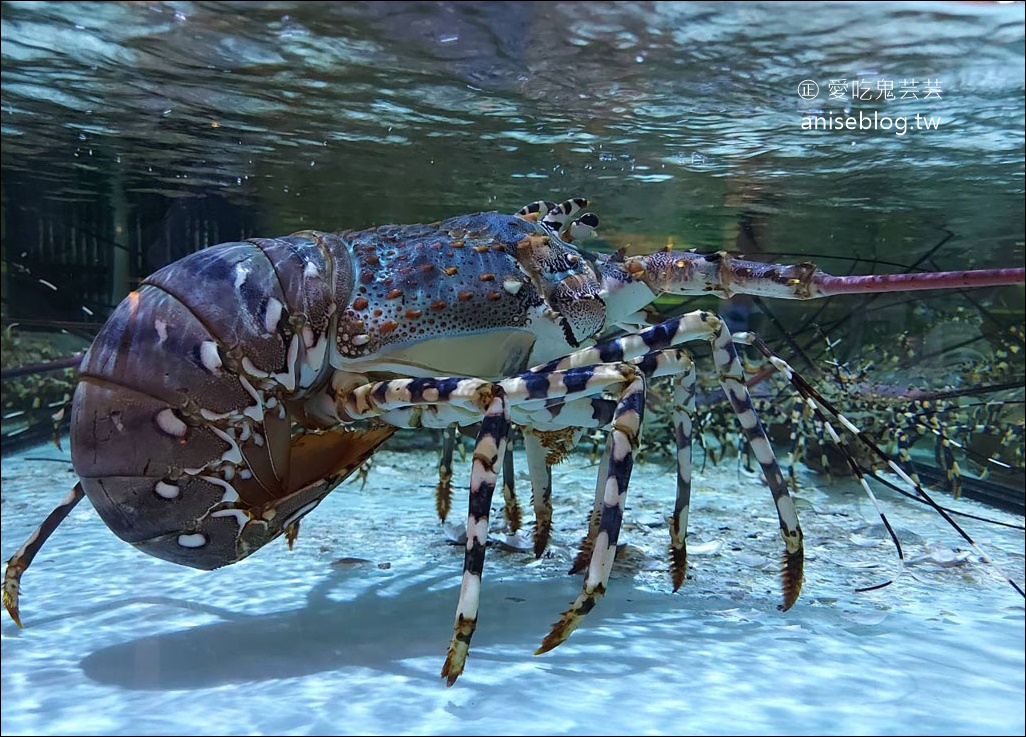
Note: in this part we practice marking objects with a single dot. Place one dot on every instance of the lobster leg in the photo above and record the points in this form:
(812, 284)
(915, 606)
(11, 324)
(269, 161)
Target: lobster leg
(511, 506)
(683, 430)
(684, 410)
(648, 344)
(443, 492)
(733, 382)
(391, 400)
(544, 450)
(490, 447)
(587, 546)
(522, 396)
(22, 559)
(623, 438)
(541, 490)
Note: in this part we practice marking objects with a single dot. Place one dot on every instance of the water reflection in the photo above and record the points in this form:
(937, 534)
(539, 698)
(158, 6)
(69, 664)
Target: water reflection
(671, 114)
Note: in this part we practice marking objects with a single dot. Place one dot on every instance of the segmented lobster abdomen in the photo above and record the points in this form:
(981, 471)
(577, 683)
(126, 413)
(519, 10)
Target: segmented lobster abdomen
(180, 431)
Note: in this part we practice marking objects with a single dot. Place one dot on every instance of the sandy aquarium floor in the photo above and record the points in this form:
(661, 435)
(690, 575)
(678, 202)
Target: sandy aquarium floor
(347, 633)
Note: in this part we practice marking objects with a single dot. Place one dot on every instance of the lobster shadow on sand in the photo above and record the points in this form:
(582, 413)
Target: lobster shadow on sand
(387, 631)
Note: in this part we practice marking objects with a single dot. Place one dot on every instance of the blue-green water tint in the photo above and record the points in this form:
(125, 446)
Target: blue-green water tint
(674, 117)
(680, 121)
(347, 633)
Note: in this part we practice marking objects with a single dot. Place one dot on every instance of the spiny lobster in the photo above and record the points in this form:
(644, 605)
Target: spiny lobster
(234, 389)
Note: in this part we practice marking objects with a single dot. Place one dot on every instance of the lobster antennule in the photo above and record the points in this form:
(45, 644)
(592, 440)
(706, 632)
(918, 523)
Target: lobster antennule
(684, 272)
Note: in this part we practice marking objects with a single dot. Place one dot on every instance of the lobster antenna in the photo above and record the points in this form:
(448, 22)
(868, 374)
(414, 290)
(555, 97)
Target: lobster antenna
(831, 285)
(953, 512)
(857, 470)
(839, 443)
(815, 399)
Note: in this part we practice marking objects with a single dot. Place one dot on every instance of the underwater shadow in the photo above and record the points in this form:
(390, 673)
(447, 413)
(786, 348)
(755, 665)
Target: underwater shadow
(384, 630)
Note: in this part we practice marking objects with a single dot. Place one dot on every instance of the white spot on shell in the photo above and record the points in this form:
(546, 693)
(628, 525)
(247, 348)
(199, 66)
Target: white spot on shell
(169, 423)
(209, 356)
(512, 285)
(240, 275)
(250, 368)
(161, 327)
(256, 411)
(195, 540)
(238, 514)
(300, 513)
(273, 314)
(314, 361)
(361, 339)
(288, 379)
(233, 455)
(310, 270)
(166, 490)
(230, 495)
(580, 231)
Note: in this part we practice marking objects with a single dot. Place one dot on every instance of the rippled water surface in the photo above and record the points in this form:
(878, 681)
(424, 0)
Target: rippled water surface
(134, 133)
(674, 117)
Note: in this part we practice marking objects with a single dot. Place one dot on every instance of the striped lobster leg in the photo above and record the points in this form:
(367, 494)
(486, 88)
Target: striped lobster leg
(511, 507)
(824, 410)
(443, 492)
(587, 547)
(386, 398)
(489, 448)
(525, 397)
(540, 470)
(547, 448)
(613, 481)
(683, 431)
(646, 345)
